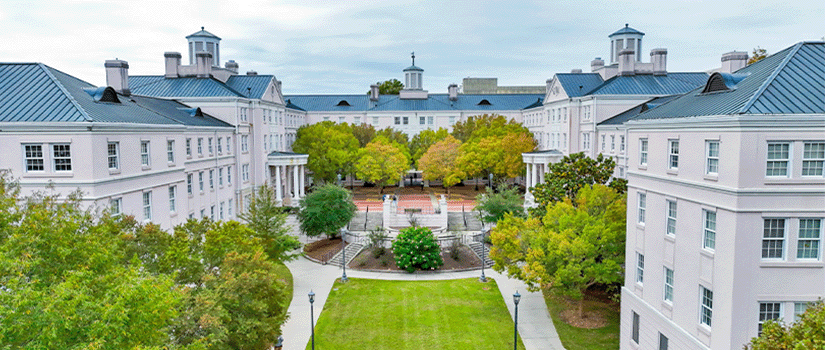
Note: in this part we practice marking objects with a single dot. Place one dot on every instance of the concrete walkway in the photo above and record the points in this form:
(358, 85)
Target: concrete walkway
(535, 326)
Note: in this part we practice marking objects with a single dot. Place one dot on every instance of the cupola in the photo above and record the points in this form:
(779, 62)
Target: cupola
(204, 41)
(626, 38)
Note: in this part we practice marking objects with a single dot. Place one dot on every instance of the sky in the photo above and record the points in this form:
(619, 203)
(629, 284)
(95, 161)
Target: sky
(337, 47)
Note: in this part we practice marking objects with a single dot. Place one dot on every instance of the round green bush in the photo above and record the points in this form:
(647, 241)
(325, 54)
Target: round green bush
(416, 248)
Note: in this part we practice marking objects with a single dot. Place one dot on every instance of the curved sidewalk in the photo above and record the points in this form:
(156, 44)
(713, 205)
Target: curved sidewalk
(535, 325)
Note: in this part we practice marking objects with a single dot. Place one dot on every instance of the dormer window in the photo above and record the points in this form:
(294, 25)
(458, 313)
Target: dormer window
(103, 94)
(485, 103)
(343, 103)
(722, 82)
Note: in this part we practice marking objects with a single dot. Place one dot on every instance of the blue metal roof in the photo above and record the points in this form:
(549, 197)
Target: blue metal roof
(413, 67)
(647, 84)
(629, 114)
(34, 92)
(203, 33)
(291, 105)
(791, 81)
(578, 84)
(434, 102)
(235, 86)
(625, 30)
(256, 83)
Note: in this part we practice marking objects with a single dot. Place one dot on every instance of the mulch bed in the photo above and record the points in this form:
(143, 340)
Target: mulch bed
(596, 301)
(323, 249)
(365, 260)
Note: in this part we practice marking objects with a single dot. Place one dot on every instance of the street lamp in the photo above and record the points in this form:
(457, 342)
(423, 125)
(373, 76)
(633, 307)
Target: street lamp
(516, 298)
(344, 254)
(312, 316)
(483, 260)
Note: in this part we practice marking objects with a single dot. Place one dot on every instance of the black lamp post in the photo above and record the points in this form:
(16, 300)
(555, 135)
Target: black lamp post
(483, 259)
(344, 255)
(312, 316)
(516, 299)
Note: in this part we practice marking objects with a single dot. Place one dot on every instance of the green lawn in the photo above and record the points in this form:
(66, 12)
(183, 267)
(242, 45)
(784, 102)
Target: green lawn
(375, 314)
(286, 275)
(574, 338)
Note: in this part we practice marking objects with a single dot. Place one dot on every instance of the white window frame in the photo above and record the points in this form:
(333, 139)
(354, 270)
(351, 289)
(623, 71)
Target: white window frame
(643, 145)
(170, 151)
(229, 208)
(705, 306)
(30, 157)
(621, 143)
(200, 146)
(113, 155)
(116, 206)
(229, 175)
(209, 146)
(671, 212)
(769, 238)
(220, 210)
(147, 206)
(374, 120)
(709, 229)
(220, 177)
(673, 154)
(172, 198)
(711, 158)
(211, 179)
(189, 185)
(244, 143)
(228, 145)
(813, 160)
(640, 268)
(799, 309)
(200, 181)
(220, 145)
(642, 204)
(769, 311)
(812, 226)
(189, 147)
(61, 160)
(145, 159)
(245, 172)
(667, 294)
(634, 327)
(612, 143)
(775, 165)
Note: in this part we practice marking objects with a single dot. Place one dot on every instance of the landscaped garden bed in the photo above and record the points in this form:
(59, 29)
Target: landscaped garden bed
(598, 330)
(366, 260)
(378, 314)
(323, 250)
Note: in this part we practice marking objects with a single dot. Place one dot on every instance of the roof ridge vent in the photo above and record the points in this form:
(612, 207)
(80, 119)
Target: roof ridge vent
(484, 102)
(343, 103)
(103, 94)
(723, 82)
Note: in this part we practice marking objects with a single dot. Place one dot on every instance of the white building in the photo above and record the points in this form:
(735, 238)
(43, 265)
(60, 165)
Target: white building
(726, 200)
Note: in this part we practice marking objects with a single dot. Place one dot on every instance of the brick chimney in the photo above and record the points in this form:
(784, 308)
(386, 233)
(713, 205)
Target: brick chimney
(203, 62)
(172, 62)
(452, 89)
(659, 59)
(734, 61)
(117, 75)
(627, 62)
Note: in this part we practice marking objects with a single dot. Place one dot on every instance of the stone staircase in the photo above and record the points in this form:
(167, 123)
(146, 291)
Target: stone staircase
(352, 250)
(455, 221)
(476, 247)
(369, 220)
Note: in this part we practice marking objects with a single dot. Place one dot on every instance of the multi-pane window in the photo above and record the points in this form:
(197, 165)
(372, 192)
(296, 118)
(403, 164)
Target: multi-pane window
(244, 143)
(662, 342)
(706, 310)
(374, 120)
(220, 211)
(778, 159)
(200, 146)
(709, 236)
(356, 120)
(634, 334)
(668, 295)
(798, 310)
(200, 181)
(245, 172)
(621, 143)
(189, 184)
(228, 175)
(397, 120)
(451, 120)
(671, 217)
(810, 232)
(116, 206)
(170, 151)
(813, 159)
(172, 195)
(430, 120)
(220, 145)
(612, 143)
(209, 145)
(188, 147)
(406, 120)
(228, 145)
(34, 157)
(62, 157)
(113, 150)
(212, 213)
(147, 205)
(673, 154)
(773, 239)
(203, 213)
(603, 143)
(211, 179)
(144, 153)
(712, 156)
(229, 208)
(422, 120)
(643, 152)
(640, 268)
(769, 311)
(220, 177)
(642, 207)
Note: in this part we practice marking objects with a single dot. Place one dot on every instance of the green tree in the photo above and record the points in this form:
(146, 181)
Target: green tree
(439, 163)
(578, 245)
(364, 133)
(268, 223)
(396, 136)
(417, 248)
(568, 176)
(389, 87)
(331, 148)
(382, 162)
(326, 210)
(806, 333)
(496, 154)
(422, 141)
(484, 125)
(493, 206)
(757, 55)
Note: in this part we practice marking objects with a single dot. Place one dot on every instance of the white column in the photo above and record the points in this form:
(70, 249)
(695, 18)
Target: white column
(534, 175)
(278, 194)
(302, 176)
(542, 171)
(295, 182)
(527, 176)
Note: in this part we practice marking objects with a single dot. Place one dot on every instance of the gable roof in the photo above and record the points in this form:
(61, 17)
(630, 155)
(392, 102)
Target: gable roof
(629, 114)
(648, 84)
(433, 102)
(235, 86)
(791, 81)
(34, 92)
(579, 84)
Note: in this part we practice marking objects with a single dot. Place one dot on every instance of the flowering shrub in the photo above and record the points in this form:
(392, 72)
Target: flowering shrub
(416, 248)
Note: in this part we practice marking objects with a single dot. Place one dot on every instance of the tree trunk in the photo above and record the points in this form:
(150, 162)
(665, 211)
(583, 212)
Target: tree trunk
(477, 179)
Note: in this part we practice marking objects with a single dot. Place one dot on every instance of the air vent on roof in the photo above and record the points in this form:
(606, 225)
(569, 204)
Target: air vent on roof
(194, 112)
(103, 94)
(723, 82)
(343, 103)
(485, 103)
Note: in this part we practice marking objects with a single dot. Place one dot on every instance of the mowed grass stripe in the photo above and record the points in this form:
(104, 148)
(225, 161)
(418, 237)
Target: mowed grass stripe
(377, 314)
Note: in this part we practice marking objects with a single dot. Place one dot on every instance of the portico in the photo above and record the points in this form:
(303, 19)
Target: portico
(537, 166)
(287, 175)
